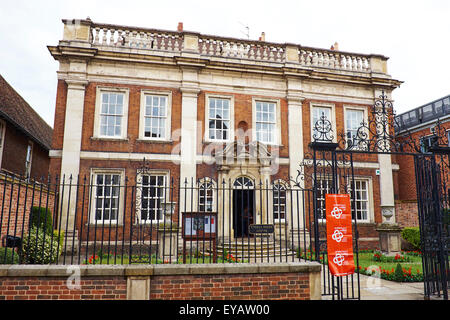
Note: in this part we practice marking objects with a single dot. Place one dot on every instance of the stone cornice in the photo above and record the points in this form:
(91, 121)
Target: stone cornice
(76, 84)
(197, 61)
(69, 51)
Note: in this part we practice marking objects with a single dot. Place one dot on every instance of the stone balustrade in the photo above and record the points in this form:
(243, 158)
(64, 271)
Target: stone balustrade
(312, 57)
(244, 49)
(117, 36)
(106, 36)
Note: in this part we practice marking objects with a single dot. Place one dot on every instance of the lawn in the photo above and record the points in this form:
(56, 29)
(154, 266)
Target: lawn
(366, 259)
(405, 267)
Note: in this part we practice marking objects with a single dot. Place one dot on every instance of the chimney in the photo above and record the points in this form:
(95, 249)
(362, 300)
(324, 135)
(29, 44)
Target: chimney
(263, 36)
(335, 46)
(180, 27)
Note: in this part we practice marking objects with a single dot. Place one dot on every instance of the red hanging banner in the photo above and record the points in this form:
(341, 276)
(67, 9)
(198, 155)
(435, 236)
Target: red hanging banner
(339, 234)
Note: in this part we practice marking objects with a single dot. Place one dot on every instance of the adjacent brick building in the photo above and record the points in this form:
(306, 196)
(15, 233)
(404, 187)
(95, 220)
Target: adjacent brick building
(25, 138)
(419, 126)
(183, 100)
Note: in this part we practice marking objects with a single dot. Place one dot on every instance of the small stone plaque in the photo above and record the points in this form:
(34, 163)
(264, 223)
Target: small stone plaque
(261, 228)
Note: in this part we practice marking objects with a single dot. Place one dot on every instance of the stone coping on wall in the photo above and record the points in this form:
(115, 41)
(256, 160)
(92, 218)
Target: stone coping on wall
(158, 270)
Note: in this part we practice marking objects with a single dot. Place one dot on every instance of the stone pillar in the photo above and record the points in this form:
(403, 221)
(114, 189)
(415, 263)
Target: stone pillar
(378, 64)
(188, 147)
(387, 202)
(70, 160)
(77, 34)
(295, 127)
(167, 243)
(389, 232)
(291, 53)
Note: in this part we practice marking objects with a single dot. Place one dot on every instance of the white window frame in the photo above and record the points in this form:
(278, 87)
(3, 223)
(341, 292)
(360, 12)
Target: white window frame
(94, 173)
(168, 117)
(365, 119)
(139, 195)
(277, 133)
(231, 129)
(2, 139)
(274, 200)
(370, 209)
(213, 194)
(329, 178)
(98, 108)
(29, 162)
(332, 120)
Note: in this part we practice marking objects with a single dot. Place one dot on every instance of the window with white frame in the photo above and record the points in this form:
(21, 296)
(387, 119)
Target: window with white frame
(323, 186)
(353, 121)
(106, 196)
(360, 200)
(2, 138)
(28, 159)
(317, 113)
(266, 122)
(279, 201)
(156, 116)
(154, 193)
(111, 114)
(206, 196)
(219, 119)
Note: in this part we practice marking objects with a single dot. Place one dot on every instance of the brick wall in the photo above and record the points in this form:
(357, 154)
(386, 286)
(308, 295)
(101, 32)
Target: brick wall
(260, 281)
(269, 286)
(407, 213)
(406, 175)
(15, 152)
(17, 198)
(55, 288)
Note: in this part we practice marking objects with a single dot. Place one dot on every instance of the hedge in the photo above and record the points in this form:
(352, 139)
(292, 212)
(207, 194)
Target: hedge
(412, 235)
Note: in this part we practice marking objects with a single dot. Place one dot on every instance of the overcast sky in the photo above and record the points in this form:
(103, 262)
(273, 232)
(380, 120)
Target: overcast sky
(415, 35)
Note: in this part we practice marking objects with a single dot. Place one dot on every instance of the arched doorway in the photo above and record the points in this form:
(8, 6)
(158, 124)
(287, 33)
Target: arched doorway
(243, 206)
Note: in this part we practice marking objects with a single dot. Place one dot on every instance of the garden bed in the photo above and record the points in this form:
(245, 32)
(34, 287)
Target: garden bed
(403, 267)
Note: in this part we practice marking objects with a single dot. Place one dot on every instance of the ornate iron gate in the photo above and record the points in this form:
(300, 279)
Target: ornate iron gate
(332, 162)
(333, 173)
(433, 195)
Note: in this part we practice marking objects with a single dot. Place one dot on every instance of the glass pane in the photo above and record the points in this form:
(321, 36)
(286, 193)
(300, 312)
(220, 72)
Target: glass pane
(120, 99)
(112, 98)
(119, 110)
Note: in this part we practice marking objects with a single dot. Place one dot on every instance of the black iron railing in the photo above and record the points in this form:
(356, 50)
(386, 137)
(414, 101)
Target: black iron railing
(109, 218)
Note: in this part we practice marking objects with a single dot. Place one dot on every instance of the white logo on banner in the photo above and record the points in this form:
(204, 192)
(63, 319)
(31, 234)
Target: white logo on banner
(336, 212)
(339, 259)
(337, 236)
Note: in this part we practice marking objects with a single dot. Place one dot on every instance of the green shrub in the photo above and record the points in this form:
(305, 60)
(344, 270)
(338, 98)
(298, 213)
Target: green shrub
(42, 218)
(398, 274)
(412, 236)
(7, 256)
(39, 247)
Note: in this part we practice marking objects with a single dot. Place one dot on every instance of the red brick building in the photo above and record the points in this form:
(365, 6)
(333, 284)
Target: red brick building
(25, 138)
(184, 100)
(418, 125)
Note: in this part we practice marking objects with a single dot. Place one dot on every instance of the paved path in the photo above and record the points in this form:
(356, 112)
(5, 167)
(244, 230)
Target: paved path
(379, 289)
